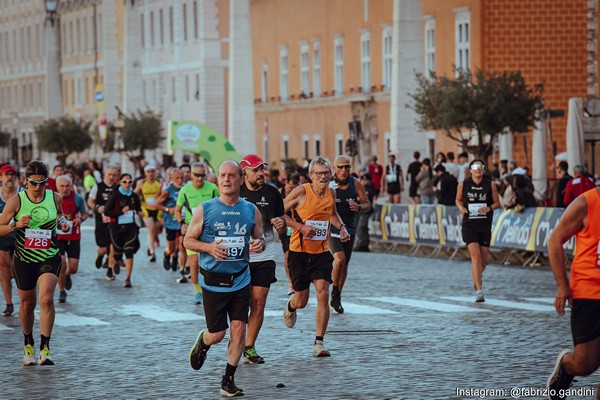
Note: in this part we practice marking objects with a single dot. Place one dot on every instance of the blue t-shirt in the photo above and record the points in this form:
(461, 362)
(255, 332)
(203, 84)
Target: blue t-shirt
(171, 201)
(234, 225)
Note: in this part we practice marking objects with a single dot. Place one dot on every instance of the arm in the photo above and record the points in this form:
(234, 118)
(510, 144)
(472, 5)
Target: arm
(62, 221)
(365, 204)
(458, 201)
(279, 222)
(91, 202)
(192, 242)
(495, 199)
(336, 220)
(138, 186)
(10, 210)
(83, 214)
(258, 241)
(400, 181)
(572, 221)
(293, 200)
(161, 199)
(109, 209)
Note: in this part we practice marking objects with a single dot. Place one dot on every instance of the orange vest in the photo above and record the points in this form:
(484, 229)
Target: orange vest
(315, 209)
(585, 270)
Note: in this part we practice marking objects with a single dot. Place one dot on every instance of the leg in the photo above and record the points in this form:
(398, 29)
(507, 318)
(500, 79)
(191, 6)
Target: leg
(257, 313)
(194, 267)
(151, 225)
(63, 274)
(322, 317)
(128, 267)
(340, 269)
(397, 198)
(485, 252)
(584, 360)
(73, 265)
(5, 275)
(476, 264)
(300, 299)
(235, 347)
(26, 316)
(47, 284)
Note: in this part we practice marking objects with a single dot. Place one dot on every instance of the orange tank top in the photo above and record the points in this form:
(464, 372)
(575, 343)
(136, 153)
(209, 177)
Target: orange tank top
(585, 270)
(316, 212)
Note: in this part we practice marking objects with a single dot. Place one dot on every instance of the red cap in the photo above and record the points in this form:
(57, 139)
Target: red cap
(252, 161)
(8, 168)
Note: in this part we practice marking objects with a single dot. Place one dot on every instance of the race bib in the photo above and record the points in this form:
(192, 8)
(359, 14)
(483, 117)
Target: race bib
(235, 247)
(126, 218)
(151, 201)
(289, 231)
(105, 219)
(391, 178)
(322, 229)
(38, 239)
(59, 232)
(474, 210)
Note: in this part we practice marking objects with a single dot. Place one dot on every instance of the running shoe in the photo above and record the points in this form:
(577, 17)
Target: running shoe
(174, 263)
(68, 282)
(62, 297)
(29, 357)
(166, 261)
(250, 356)
(289, 318)
(148, 252)
(183, 279)
(99, 261)
(117, 267)
(109, 275)
(44, 358)
(228, 388)
(559, 379)
(127, 283)
(197, 353)
(198, 298)
(319, 349)
(336, 303)
(153, 258)
(9, 310)
(479, 298)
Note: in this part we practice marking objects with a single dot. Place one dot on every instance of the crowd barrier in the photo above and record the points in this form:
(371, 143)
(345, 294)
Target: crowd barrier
(440, 226)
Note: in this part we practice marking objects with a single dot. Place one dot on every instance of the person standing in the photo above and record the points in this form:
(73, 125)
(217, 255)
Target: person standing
(149, 189)
(222, 230)
(350, 199)
(562, 172)
(392, 180)
(167, 202)
(582, 292)
(447, 185)
(68, 243)
(37, 214)
(376, 171)
(463, 165)
(8, 177)
(451, 167)
(580, 183)
(411, 176)
(362, 225)
(269, 202)
(309, 259)
(425, 180)
(477, 198)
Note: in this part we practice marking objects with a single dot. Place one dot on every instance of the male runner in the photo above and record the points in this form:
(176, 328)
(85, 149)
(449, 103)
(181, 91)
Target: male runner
(167, 202)
(8, 177)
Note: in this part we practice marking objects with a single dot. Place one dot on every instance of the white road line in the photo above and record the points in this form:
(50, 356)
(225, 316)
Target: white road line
(545, 300)
(5, 328)
(158, 314)
(69, 319)
(428, 305)
(507, 304)
(353, 308)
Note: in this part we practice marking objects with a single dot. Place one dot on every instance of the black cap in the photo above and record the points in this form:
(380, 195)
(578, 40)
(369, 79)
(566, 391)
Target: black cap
(439, 167)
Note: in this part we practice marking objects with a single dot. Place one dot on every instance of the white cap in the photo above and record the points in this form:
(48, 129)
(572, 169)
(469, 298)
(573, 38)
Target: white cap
(149, 167)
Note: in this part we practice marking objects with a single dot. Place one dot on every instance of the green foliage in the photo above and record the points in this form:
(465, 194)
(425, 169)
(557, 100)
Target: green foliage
(474, 108)
(142, 131)
(63, 136)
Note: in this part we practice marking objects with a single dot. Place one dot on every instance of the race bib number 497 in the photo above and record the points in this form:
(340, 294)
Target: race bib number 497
(235, 247)
(38, 239)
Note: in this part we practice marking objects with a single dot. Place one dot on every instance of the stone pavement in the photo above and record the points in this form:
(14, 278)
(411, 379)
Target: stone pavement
(411, 331)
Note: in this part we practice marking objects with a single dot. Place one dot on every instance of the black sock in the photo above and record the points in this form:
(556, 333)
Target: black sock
(28, 338)
(290, 309)
(229, 370)
(335, 291)
(317, 338)
(45, 341)
(203, 345)
(248, 347)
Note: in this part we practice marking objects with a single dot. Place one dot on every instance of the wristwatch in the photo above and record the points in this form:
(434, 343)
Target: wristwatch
(13, 225)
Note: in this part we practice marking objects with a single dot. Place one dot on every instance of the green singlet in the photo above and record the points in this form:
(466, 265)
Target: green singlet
(190, 197)
(37, 242)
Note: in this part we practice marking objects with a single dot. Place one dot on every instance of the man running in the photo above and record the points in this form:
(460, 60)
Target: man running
(350, 199)
(69, 243)
(269, 202)
(97, 200)
(222, 230)
(309, 259)
(8, 177)
(477, 198)
(148, 189)
(167, 202)
(190, 196)
(37, 214)
(582, 292)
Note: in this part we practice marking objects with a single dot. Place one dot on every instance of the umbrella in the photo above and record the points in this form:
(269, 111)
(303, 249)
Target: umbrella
(505, 142)
(540, 163)
(575, 133)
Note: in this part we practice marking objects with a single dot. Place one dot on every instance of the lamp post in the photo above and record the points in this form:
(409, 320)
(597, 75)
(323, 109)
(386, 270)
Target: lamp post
(51, 10)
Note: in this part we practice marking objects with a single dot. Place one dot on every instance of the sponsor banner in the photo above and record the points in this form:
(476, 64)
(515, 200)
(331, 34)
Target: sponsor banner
(450, 220)
(424, 226)
(375, 230)
(547, 222)
(515, 230)
(396, 223)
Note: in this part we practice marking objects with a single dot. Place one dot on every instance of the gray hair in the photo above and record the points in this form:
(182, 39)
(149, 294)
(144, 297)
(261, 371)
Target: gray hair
(199, 164)
(319, 161)
(341, 156)
(579, 169)
(64, 178)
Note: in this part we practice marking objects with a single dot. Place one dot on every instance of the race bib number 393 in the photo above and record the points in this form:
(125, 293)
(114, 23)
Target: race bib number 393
(235, 247)
(38, 239)
(322, 229)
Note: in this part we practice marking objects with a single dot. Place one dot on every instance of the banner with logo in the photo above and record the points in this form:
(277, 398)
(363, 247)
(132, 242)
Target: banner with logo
(515, 230)
(396, 223)
(375, 224)
(450, 220)
(548, 220)
(424, 226)
(195, 137)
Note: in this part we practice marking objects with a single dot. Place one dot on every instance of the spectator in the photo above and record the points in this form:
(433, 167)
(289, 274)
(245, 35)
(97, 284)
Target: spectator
(463, 165)
(392, 181)
(275, 178)
(88, 182)
(451, 166)
(413, 170)
(523, 194)
(446, 188)
(507, 198)
(503, 167)
(563, 178)
(580, 183)
(376, 171)
(512, 166)
(425, 180)
(362, 225)
(440, 159)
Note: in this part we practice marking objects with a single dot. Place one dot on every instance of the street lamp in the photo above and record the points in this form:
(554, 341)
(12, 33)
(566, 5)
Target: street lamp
(51, 10)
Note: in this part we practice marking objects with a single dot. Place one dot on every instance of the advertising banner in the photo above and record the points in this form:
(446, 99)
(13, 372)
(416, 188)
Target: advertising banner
(515, 230)
(424, 224)
(450, 220)
(548, 219)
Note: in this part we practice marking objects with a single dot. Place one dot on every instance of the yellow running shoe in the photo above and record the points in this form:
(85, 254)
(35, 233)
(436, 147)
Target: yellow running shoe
(44, 358)
(29, 357)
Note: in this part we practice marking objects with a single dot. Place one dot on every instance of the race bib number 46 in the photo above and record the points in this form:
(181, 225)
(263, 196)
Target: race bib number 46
(322, 229)
(235, 247)
(38, 239)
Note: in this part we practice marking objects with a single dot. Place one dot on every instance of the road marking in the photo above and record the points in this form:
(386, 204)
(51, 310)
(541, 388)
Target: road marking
(428, 305)
(5, 328)
(506, 303)
(158, 314)
(69, 319)
(361, 309)
(545, 300)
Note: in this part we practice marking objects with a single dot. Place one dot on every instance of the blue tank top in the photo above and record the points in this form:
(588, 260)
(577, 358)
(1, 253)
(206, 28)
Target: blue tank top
(234, 225)
(171, 201)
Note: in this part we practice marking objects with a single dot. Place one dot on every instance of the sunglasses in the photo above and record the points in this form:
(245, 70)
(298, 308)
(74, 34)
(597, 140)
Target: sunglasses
(127, 182)
(475, 167)
(37, 183)
(345, 166)
(199, 175)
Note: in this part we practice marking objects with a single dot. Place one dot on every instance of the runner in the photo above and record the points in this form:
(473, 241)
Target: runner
(477, 198)
(68, 243)
(97, 200)
(351, 199)
(309, 259)
(37, 213)
(222, 230)
(148, 189)
(167, 201)
(190, 196)
(8, 177)
(292, 181)
(269, 202)
(582, 292)
(124, 232)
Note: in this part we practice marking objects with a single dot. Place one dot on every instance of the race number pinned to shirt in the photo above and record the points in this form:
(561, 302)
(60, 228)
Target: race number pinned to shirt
(105, 219)
(474, 210)
(126, 218)
(391, 178)
(235, 247)
(38, 239)
(70, 223)
(151, 201)
(322, 229)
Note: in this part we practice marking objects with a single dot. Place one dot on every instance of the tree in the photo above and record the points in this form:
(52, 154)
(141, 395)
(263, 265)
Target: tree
(63, 136)
(474, 108)
(142, 131)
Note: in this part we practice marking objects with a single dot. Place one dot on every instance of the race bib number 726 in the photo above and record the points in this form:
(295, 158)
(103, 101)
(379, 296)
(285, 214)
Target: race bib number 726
(38, 239)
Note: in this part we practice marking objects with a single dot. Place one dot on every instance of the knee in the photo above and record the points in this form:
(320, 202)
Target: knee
(217, 337)
(323, 295)
(583, 366)
(28, 305)
(340, 261)
(46, 300)
(258, 303)
(237, 329)
(300, 300)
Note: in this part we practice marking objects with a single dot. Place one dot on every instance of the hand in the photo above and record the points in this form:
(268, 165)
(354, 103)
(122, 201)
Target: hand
(24, 221)
(63, 227)
(463, 210)
(217, 251)
(278, 223)
(484, 210)
(256, 245)
(354, 206)
(141, 214)
(183, 229)
(125, 209)
(308, 231)
(563, 295)
(344, 235)
(101, 209)
(76, 222)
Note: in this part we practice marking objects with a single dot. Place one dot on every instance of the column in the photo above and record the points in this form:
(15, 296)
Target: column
(132, 96)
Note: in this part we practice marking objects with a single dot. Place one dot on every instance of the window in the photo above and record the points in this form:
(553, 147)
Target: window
(14, 47)
(78, 36)
(28, 43)
(93, 33)
(100, 30)
(316, 69)
(40, 97)
(365, 61)
(145, 91)
(264, 92)
(71, 39)
(195, 20)
(339, 143)
(184, 17)
(154, 92)
(387, 58)
(151, 28)
(24, 97)
(283, 72)
(304, 69)
(22, 52)
(162, 27)
(142, 36)
(1, 56)
(305, 147)
(285, 141)
(317, 139)
(86, 91)
(79, 91)
(187, 88)
(85, 35)
(388, 142)
(173, 90)
(429, 46)
(171, 30)
(462, 39)
(338, 63)
(197, 91)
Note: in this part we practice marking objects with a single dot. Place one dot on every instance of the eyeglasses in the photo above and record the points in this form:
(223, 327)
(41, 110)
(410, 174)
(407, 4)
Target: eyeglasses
(127, 182)
(345, 166)
(37, 183)
(199, 175)
(475, 167)
(322, 173)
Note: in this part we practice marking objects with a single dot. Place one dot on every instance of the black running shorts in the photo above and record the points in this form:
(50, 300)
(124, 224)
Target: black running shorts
(336, 245)
(172, 234)
(585, 320)
(262, 273)
(102, 235)
(482, 238)
(219, 305)
(27, 274)
(71, 247)
(7, 243)
(305, 268)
